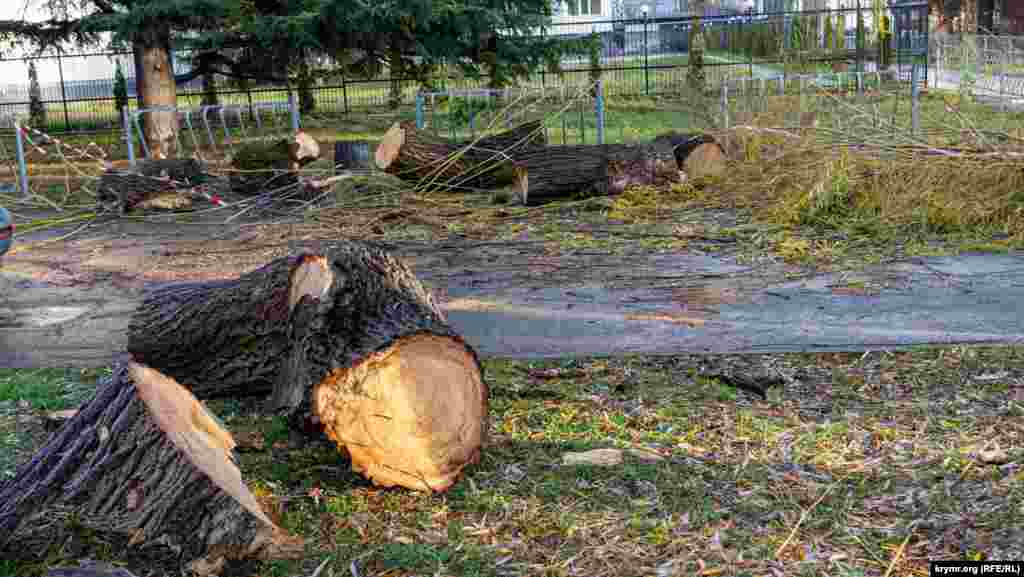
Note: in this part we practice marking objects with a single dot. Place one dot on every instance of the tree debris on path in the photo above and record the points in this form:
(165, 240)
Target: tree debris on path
(345, 341)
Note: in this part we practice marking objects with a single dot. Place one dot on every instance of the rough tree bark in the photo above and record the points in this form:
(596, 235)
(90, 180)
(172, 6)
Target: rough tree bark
(145, 473)
(545, 174)
(157, 88)
(417, 155)
(348, 339)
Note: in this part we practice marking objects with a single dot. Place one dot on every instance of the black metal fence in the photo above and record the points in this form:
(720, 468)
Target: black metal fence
(645, 56)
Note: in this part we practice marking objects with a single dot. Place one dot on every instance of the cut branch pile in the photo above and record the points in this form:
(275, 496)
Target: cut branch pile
(151, 183)
(345, 341)
(537, 172)
(417, 155)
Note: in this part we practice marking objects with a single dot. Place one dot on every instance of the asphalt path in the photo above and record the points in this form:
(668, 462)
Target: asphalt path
(511, 300)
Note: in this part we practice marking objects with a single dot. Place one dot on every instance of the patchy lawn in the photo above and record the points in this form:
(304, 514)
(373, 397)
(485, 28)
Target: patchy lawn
(854, 465)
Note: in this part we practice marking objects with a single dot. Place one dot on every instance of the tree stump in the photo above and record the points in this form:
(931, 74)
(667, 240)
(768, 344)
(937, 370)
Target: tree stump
(416, 155)
(265, 166)
(144, 472)
(348, 339)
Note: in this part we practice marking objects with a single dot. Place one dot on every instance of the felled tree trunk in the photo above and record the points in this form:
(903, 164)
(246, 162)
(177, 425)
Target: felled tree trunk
(560, 171)
(151, 183)
(587, 169)
(348, 339)
(142, 472)
(416, 155)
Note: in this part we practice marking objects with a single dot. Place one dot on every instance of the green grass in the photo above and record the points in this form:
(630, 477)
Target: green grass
(829, 458)
(42, 389)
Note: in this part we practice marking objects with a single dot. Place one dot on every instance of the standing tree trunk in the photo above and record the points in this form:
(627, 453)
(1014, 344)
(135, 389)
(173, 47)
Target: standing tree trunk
(304, 82)
(395, 70)
(347, 339)
(695, 78)
(970, 56)
(143, 472)
(156, 85)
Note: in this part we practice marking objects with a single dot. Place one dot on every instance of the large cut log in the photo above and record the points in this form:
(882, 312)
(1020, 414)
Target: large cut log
(348, 339)
(698, 155)
(417, 155)
(586, 169)
(142, 472)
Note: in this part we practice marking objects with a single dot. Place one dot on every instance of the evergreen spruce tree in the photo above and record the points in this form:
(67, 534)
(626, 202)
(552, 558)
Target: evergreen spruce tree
(412, 37)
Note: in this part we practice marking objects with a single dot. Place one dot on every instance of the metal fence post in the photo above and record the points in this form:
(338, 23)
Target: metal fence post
(647, 84)
(22, 166)
(915, 99)
(129, 136)
(344, 93)
(1002, 77)
(294, 111)
(419, 111)
(63, 91)
(600, 112)
(725, 104)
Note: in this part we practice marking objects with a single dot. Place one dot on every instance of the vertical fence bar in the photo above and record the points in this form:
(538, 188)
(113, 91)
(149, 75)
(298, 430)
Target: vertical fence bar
(248, 94)
(433, 112)
(419, 111)
(63, 91)
(1002, 77)
(725, 105)
(647, 84)
(129, 136)
(915, 99)
(344, 93)
(600, 112)
(19, 146)
(294, 111)
(583, 126)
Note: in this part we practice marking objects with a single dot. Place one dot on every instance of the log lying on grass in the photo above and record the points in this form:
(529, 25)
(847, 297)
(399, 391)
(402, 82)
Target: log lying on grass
(142, 471)
(563, 171)
(348, 339)
(151, 183)
(416, 155)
